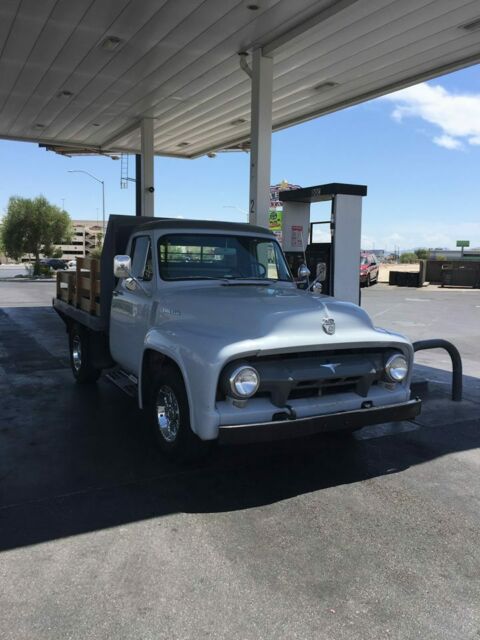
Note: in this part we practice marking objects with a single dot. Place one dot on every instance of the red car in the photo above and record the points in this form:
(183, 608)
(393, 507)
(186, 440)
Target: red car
(368, 269)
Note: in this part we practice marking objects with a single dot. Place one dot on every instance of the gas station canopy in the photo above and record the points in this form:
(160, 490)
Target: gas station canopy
(82, 75)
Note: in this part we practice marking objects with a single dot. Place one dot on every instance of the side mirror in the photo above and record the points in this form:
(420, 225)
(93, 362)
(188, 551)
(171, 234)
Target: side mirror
(303, 272)
(122, 266)
(321, 272)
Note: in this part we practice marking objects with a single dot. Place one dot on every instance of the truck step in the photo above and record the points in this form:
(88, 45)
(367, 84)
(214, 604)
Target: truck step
(127, 382)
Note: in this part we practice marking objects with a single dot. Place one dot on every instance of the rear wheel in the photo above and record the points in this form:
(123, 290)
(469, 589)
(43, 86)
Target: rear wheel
(169, 417)
(80, 359)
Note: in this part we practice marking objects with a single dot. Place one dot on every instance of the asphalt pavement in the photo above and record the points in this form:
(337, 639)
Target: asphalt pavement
(372, 537)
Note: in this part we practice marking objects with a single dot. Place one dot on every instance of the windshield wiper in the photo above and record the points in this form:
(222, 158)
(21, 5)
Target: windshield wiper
(199, 278)
(236, 280)
(249, 278)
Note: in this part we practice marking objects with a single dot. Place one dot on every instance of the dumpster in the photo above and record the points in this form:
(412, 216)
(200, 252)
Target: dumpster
(461, 275)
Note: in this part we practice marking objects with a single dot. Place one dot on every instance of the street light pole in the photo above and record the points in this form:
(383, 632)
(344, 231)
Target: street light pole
(103, 193)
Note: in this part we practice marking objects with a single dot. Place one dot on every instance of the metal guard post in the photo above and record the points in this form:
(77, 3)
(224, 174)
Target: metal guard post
(456, 362)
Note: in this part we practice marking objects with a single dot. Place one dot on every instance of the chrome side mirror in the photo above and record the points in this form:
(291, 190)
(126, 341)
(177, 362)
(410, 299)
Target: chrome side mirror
(303, 272)
(122, 266)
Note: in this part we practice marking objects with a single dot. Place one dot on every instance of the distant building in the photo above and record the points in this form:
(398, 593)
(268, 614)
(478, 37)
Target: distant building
(454, 254)
(87, 234)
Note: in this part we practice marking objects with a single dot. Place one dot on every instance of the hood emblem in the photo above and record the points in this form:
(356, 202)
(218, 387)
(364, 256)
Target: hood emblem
(329, 326)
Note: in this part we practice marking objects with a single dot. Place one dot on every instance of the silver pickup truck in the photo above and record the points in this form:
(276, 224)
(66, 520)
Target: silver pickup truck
(205, 324)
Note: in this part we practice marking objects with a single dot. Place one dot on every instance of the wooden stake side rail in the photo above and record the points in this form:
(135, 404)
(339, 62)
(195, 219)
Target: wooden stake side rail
(81, 288)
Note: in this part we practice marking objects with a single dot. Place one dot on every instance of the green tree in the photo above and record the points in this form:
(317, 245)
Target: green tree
(57, 253)
(34, 226)
(96, 252)
(422, 253)
(407, 258)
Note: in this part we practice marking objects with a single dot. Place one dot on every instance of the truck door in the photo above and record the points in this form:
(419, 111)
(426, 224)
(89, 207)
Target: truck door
(131, 305)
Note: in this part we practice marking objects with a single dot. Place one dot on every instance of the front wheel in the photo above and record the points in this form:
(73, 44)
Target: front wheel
(80, 359)
(169, 417)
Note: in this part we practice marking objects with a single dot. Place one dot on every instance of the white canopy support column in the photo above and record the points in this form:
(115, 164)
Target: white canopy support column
(147, 178)
(261, 138)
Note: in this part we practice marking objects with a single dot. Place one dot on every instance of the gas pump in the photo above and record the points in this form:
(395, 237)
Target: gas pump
(334, 264)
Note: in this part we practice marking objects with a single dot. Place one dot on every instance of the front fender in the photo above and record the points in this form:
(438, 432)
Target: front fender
(199, 385)
(200, 358)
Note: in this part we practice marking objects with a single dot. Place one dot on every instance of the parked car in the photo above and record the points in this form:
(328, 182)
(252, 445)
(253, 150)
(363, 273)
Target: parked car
(72, 264)
(54, 263)
(369, 269)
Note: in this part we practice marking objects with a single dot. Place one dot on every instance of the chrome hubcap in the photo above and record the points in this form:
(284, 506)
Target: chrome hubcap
(76, 353)
(168, 413)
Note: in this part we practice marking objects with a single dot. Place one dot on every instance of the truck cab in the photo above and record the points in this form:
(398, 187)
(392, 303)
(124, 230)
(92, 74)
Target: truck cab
(183, 262)
(208, 325)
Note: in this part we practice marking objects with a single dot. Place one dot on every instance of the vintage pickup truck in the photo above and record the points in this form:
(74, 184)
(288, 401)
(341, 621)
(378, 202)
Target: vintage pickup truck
(204, 323)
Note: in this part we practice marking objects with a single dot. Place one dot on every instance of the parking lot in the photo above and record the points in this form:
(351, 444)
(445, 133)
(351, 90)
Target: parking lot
(373, 537)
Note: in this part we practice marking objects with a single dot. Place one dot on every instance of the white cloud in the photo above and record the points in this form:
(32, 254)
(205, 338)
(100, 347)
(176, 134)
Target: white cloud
(394, 238)
(448, 142)
(424, 234)
(457, 115)
(367, 241)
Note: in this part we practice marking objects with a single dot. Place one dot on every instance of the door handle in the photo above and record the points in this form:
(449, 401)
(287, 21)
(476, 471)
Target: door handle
(117, 293)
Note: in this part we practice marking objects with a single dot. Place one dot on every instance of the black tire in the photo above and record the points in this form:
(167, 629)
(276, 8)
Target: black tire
(80, 359)
(175, 439)
(367, 281)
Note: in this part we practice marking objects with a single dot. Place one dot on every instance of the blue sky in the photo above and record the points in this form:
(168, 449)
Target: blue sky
(418, 151)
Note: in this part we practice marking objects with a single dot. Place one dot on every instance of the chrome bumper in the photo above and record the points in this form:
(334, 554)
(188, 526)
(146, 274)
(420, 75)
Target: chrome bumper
(298, 427)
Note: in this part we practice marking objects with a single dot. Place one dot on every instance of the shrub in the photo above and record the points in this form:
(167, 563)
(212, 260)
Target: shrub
(408, 258)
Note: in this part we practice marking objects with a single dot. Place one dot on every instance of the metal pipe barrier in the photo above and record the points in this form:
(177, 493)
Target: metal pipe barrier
(454, 354)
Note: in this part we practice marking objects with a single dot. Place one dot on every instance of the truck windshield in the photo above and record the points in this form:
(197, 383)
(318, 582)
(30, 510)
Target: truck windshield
(204, 256)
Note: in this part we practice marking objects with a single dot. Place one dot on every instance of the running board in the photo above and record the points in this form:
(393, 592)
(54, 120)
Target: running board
(127, 382)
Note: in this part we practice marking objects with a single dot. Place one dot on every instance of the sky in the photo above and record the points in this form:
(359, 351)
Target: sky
(417, 150)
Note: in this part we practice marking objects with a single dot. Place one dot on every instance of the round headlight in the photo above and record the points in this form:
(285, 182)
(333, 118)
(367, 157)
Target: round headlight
(396, 368)
(244, 382)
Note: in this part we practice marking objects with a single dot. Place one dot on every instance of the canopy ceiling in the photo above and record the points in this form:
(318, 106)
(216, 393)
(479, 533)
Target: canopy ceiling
(80, 75)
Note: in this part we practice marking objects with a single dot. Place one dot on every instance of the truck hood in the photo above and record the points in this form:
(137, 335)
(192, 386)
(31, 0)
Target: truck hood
(251, 318)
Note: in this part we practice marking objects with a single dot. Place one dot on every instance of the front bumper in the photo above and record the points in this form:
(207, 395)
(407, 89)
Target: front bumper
(294, 428)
